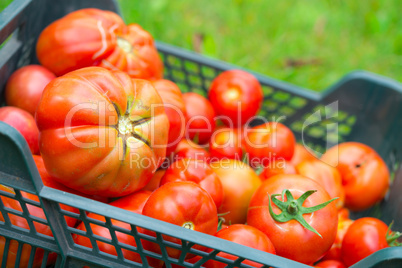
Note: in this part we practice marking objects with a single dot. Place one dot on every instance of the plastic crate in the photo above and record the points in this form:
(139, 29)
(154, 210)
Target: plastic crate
(361, 107)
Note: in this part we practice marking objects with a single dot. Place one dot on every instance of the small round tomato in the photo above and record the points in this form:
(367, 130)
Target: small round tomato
(226, 143)
(25, 86)
(237, 96)
(300, 154)
(24, 122)
(239, 183)
(297, 215)
(200, 117)
(276, 167)
(330, 264)
(365, 176)
(198, 172)
(184, 204)
(244, 235)
(269, 141)
(326, 175)
(190, 150)
(133, 203)
(175, 110)
(363, 237)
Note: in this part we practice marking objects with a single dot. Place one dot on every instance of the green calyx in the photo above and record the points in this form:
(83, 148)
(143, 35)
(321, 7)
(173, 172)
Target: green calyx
(292, 209)
(392, 237)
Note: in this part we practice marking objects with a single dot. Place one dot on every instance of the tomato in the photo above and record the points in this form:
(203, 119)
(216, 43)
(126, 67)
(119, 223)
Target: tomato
(190, 150)
(226, 143)
(200, 117)
(198, 172)
(239, 183)
(363, 237)
(300, 154)
(269, 141)
(155, 181)
(100, 132)
(184, 204)
(25, 86)
(24, 122)
(244, 235)
(290, 237)
(335, 252)
(135, 54)
(90, 37)
(365, 176)
(330, 264)
(237, 96)
(175, 110)
(326, 175)
(133, 203)
(277, 167)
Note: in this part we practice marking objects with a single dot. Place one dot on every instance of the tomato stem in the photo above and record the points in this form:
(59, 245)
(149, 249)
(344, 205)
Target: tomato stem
(392, 237)
(292, 209)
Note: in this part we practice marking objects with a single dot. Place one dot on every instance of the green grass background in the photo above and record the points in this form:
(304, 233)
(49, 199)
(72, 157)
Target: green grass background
(311, 43)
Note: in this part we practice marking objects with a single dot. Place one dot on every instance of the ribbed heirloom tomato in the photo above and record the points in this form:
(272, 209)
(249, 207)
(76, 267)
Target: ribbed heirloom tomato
(100, 132)
(297, 215)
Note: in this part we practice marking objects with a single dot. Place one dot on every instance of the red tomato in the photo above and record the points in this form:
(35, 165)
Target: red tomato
(300, 154)
(237, 96)
(154, 183)
(90, 37)
(190, 150)
(290, 238)
(133, 203)
(363, 237)
(98, 131)
(277, 167)
(226, 143)
(239, 183)
(244, 235)
(175, 110)
(365, 176)
(198, 172)
(184, 204)
(330, 264)
(326, 175)
(25, 86)
(200, 117)
(24, 122)
(269, 141)
(335, 252)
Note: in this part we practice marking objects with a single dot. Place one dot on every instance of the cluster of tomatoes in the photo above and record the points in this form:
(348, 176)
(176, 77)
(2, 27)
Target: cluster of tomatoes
(102, 123)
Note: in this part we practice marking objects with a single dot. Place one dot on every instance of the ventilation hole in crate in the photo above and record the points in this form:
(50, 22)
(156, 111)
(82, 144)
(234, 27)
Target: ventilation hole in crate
(269, 105)
(82, 241)
(297, 102)
(19, 222)
(351, 120)
(208, 72)
(281, 97)
(195, 80)
(43, 229)
(178, 75)
(344, 130)
(199, 91)
(263, 113)
(93, 217)
(297, 126)
(106, 248)
(191, 67)
(266, 90)
(70, 221)
(162, 56)
(183, 87)
(316, 132)
(286, 111)
(333, 138)
(207, 84)
(341, 116)
(173, 61)
(312, 117)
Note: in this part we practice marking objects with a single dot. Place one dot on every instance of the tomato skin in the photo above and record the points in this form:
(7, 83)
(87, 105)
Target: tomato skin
(245, 235)
(170, 203)
(277, 167)
(175, 110)
(198, 172)
(239, 183)
(186, 149)
(301, 154)
(365, 176)
(200, 117)
(78, 40)
(335, 252)
(291, 240)
(25, 86)
(269, 141)
(226, 143)
(133, 203)
(327, 176)
(92, 141)
(155, 181)
(330, 264)
(24, 122)
(135, 54)
(231, 88)
(363, 237)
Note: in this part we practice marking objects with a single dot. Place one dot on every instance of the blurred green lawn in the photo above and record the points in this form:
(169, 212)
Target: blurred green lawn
(309, 43)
